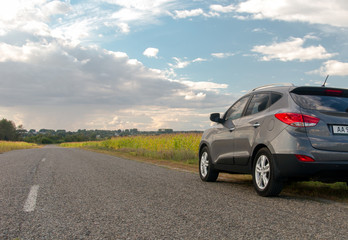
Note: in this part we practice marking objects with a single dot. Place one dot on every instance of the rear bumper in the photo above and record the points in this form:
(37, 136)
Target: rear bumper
(287, 166)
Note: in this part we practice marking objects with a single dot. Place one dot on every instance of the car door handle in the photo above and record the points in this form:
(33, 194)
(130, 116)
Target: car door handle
(256, 125)
(232, 129)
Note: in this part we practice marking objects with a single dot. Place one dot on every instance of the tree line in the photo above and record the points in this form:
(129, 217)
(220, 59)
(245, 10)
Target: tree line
(9, 132)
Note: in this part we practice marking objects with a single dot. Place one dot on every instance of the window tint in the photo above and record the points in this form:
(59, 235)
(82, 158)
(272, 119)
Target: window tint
(237, 109)
(275, 97)
(322, 103)
(257, 104)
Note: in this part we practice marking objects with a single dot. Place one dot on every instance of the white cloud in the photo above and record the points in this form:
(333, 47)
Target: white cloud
(184, 63)
(191, 96)
(222, 55)
(143, 10)
(128, 15)
(222, 9)
(140, 4)
(55, 7)
(334, 12)
(35, 10)
(28, 20)
(215, 11)
(29, 16)
(26, 53)
(75, 32)
(179, 63)
(188, 13)
(124, 27)
(199, 60)
(204, 86)
(292, 50)
(80, 87)
(332, 68)
(117, 54)
(154, 116)
(151, 52)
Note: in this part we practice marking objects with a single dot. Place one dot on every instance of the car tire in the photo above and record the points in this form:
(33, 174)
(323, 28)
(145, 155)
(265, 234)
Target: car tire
(206, 169)
(264, 180)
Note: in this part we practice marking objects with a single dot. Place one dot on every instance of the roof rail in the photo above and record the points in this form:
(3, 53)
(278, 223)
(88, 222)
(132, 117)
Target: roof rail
(274, 85)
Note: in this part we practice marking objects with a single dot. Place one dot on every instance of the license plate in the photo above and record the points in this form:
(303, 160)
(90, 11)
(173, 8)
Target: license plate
(340, 129)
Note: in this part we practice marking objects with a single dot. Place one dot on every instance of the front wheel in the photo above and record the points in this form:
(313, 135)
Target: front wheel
(264, 179)
(206, 169)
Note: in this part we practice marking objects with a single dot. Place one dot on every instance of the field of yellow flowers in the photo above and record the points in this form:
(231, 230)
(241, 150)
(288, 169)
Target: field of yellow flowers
(179, 147)
(6, 146)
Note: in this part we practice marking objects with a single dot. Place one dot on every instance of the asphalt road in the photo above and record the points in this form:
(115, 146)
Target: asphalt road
(57, 193)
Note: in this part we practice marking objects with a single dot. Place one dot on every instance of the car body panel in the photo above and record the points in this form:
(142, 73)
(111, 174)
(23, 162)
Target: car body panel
(222, 144)
(322, 136)
(246, 131)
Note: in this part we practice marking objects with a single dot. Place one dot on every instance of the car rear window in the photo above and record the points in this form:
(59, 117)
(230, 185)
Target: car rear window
(321, 99)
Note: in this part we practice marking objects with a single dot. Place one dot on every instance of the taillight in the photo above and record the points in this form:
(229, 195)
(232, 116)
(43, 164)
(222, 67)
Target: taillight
(333, 92)
(304, 158)
(297, 119)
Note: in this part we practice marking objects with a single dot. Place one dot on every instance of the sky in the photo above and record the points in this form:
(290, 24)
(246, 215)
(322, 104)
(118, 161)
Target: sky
(152, 64)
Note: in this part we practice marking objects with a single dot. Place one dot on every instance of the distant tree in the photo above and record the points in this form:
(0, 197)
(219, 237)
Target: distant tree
(7, 130)
(47, 131)
(61, 133)
(21, 132)
(32, 132)
(133, 131)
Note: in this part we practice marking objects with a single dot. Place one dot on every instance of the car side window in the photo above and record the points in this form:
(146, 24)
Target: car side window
(236, 110)
(258, 103)
(275, 97)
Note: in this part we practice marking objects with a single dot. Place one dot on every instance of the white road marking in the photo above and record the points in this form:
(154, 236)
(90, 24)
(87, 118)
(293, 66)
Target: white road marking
(30, 203)
(44, 159)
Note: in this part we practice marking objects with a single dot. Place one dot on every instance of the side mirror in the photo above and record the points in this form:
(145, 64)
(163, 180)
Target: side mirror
(215, 117)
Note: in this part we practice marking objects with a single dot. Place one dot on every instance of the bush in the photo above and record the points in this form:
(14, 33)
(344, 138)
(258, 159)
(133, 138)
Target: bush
(46, 140)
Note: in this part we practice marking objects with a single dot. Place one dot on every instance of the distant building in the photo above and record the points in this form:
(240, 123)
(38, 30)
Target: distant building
(167, 130)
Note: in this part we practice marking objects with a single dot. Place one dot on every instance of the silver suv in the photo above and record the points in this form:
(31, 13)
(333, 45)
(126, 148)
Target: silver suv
(278, 134)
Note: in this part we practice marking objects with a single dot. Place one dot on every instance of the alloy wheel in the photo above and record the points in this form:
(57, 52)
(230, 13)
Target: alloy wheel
(204, 164)
(262, 172)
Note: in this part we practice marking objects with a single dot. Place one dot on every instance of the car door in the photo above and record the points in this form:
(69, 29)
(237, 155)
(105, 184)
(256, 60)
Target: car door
(248, 126)
(222, 144)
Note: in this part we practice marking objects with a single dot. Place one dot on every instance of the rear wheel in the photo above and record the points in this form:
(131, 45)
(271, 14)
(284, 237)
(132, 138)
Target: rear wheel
(206, 169)
(264, 179)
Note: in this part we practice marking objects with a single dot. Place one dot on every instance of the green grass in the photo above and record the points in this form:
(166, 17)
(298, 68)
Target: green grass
(183, 149)
(331, 191)
(6, 146)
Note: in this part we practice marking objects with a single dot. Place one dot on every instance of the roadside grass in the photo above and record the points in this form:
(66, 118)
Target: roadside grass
(181, 151)
(6, 146)
(330, 191)
(174, 147)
